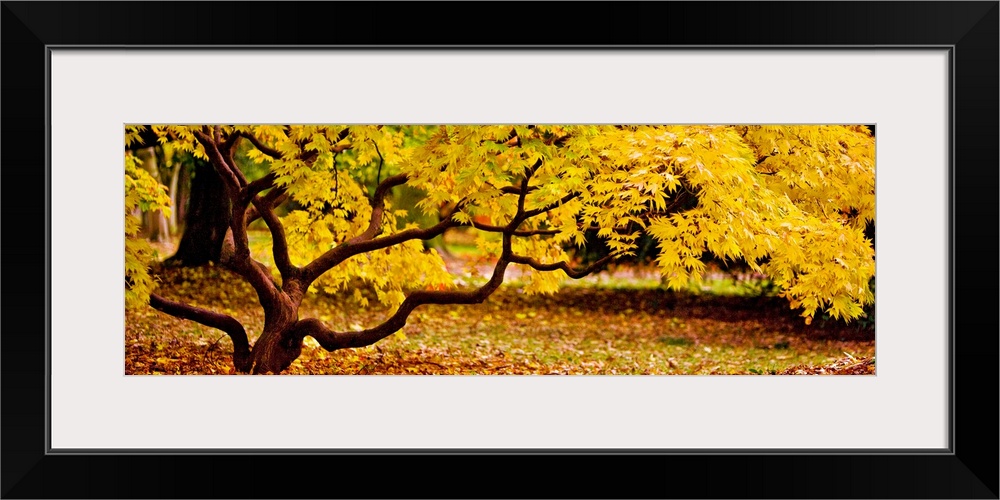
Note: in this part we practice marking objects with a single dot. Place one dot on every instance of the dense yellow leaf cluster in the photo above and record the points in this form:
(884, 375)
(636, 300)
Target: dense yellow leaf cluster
(142, 193)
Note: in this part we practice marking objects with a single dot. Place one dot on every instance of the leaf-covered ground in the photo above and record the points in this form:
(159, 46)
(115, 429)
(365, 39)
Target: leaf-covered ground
(594, 328)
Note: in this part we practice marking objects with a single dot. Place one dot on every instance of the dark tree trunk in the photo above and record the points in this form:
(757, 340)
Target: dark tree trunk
(278, 346)
(206, 219)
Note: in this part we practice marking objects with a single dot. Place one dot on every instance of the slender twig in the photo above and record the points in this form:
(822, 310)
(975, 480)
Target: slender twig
(273, 153)
(564, 266)
(524, 232)
(369, 240)
(378, 177)
(561, 201)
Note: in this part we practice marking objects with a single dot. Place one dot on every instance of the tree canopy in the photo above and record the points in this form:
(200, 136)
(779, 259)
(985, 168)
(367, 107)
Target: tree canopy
(791, 202)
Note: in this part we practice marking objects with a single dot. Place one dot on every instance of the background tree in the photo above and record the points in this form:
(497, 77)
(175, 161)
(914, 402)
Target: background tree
(791, 202)
(155, 221)
(206, 218)
(197, 195)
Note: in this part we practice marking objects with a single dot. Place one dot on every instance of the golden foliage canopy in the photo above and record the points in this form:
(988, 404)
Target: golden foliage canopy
(790, 201)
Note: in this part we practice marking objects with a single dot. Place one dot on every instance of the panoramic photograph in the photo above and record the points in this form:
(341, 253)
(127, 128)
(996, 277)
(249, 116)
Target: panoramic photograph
(499, 249)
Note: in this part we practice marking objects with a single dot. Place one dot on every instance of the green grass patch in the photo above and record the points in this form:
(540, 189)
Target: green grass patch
(676, 341)
(732, 287)
(463, 250)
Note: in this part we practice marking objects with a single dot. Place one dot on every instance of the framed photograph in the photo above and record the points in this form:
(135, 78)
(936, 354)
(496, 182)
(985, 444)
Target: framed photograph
(80, 75)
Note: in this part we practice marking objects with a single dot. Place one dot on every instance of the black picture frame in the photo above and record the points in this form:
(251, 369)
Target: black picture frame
(968, 470)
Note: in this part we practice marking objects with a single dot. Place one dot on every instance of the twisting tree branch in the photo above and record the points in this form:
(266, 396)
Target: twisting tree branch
(333, 340)
(350, 248)
(241, 345)
(229, 145)
(262, 207)
(254, 188)
(216, 159)
(378, 177)
(515, 189)
(378, 207)
(523, 232)
(279, 243)
(367, 241)
(571, 272)
(254, 206)
(273, 153)
(274, 198)
(254, 272)
(226, 149)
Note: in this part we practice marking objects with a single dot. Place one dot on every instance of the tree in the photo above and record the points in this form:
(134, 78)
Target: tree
(197, 195)
(206, 221)
(157, 223)
(789, 201)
